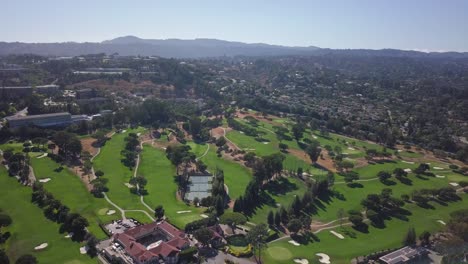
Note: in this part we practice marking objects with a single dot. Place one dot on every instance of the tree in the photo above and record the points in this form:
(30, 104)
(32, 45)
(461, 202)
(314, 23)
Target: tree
(257, 238)
(271, 218)
(233, 219)
(3, 257)
(351, 176)
(203, 235)
(410, 237)
(159, 211)
(384, 176)
(283, 147)
(294, 225)
(357, 220)
(277, 219)
(26, 259)
(298, 131)
(313, 150)
(5, 220)
(425, 238)
(91, 243)
(399, 172)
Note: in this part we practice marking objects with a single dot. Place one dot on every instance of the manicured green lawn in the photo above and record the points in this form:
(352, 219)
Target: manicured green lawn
(70, 190)
(162, 187)
(343, 251)
(328, 207)
(371, 170)
(30, 228)
(109, 161)
(281, 193)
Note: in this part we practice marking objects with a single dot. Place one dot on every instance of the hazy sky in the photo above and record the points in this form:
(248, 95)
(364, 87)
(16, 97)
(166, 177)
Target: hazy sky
(404, 24)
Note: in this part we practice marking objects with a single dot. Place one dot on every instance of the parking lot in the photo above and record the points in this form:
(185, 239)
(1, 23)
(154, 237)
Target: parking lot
(119, 226)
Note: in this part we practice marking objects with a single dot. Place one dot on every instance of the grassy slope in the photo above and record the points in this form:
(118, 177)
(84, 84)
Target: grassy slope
(342, 251)
(162, 186)
(109, 162)
(69, 189)
(30, 228)
(236, 176)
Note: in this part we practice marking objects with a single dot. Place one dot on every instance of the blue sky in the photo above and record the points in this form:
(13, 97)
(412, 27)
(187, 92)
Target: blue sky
(404, 24)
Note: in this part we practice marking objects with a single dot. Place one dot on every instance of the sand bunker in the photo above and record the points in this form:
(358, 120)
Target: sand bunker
(184, 212)
(292, 242)
(83, 250)
(437, 168)
(41, 246)
(129, 185)
(265, 143)
(324, 258)
(454, 184)
(442, 222)
(350, 148)
(69, 235)
(242, 132)
(440, 176)
(42, 156)
(338, 235)
(45, 180)
(407, 170)
(138, 134)
(408, 162)
(314, 137)
(204, 216)
(301, 261)
(123, 131)
(110, 212)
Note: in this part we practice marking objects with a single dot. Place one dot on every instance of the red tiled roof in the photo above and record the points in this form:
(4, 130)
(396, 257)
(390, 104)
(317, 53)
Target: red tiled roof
(176, 240)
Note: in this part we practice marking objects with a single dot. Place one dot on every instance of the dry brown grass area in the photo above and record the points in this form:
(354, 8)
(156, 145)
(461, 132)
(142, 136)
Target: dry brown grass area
(87, 144)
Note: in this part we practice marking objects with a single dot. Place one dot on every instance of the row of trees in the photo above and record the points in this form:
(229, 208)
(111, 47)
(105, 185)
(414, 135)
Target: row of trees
(130, 153)
(18, 165)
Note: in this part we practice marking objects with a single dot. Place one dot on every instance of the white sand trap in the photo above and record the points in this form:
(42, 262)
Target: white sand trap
(315, 137)
(184, 212)
(204, 216)
(41, 246)
(437, 168)
(83, 250)
(265, 143)
(129, 185)
(242, 132)
(292, 242)
(454, 184)
(324, 258)
(345, 153)
(69, 235)
(400, 150)
(45, 180)
(338, 235)
(440, 176)
(123, 131)
(110, 212)
(408, 162)
(441, 222)
(138, 134)
(350, 148)
(301, 261)
(407, 170)
(42, 156)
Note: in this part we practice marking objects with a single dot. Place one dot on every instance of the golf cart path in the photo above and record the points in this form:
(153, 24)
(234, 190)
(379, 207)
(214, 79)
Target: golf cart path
(224, 135)
(204, 154)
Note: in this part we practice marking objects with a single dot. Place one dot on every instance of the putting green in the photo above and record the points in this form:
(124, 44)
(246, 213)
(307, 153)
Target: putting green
(103, 211)
(279, 253)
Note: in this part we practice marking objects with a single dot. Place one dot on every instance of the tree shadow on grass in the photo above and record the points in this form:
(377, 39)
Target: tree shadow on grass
(355, 185)
(280, 186)
(388, 182)
(405, 181)
(363, 228)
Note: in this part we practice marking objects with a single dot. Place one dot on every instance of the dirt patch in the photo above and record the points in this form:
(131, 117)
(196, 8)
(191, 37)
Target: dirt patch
(267, 119)
(87, 144)
(86, 179)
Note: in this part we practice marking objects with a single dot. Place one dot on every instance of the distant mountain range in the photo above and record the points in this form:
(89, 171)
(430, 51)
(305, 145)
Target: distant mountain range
(196, 48)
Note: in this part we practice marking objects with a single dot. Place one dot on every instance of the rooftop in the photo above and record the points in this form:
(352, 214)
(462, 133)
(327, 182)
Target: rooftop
(32, 117)
(403, 255)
